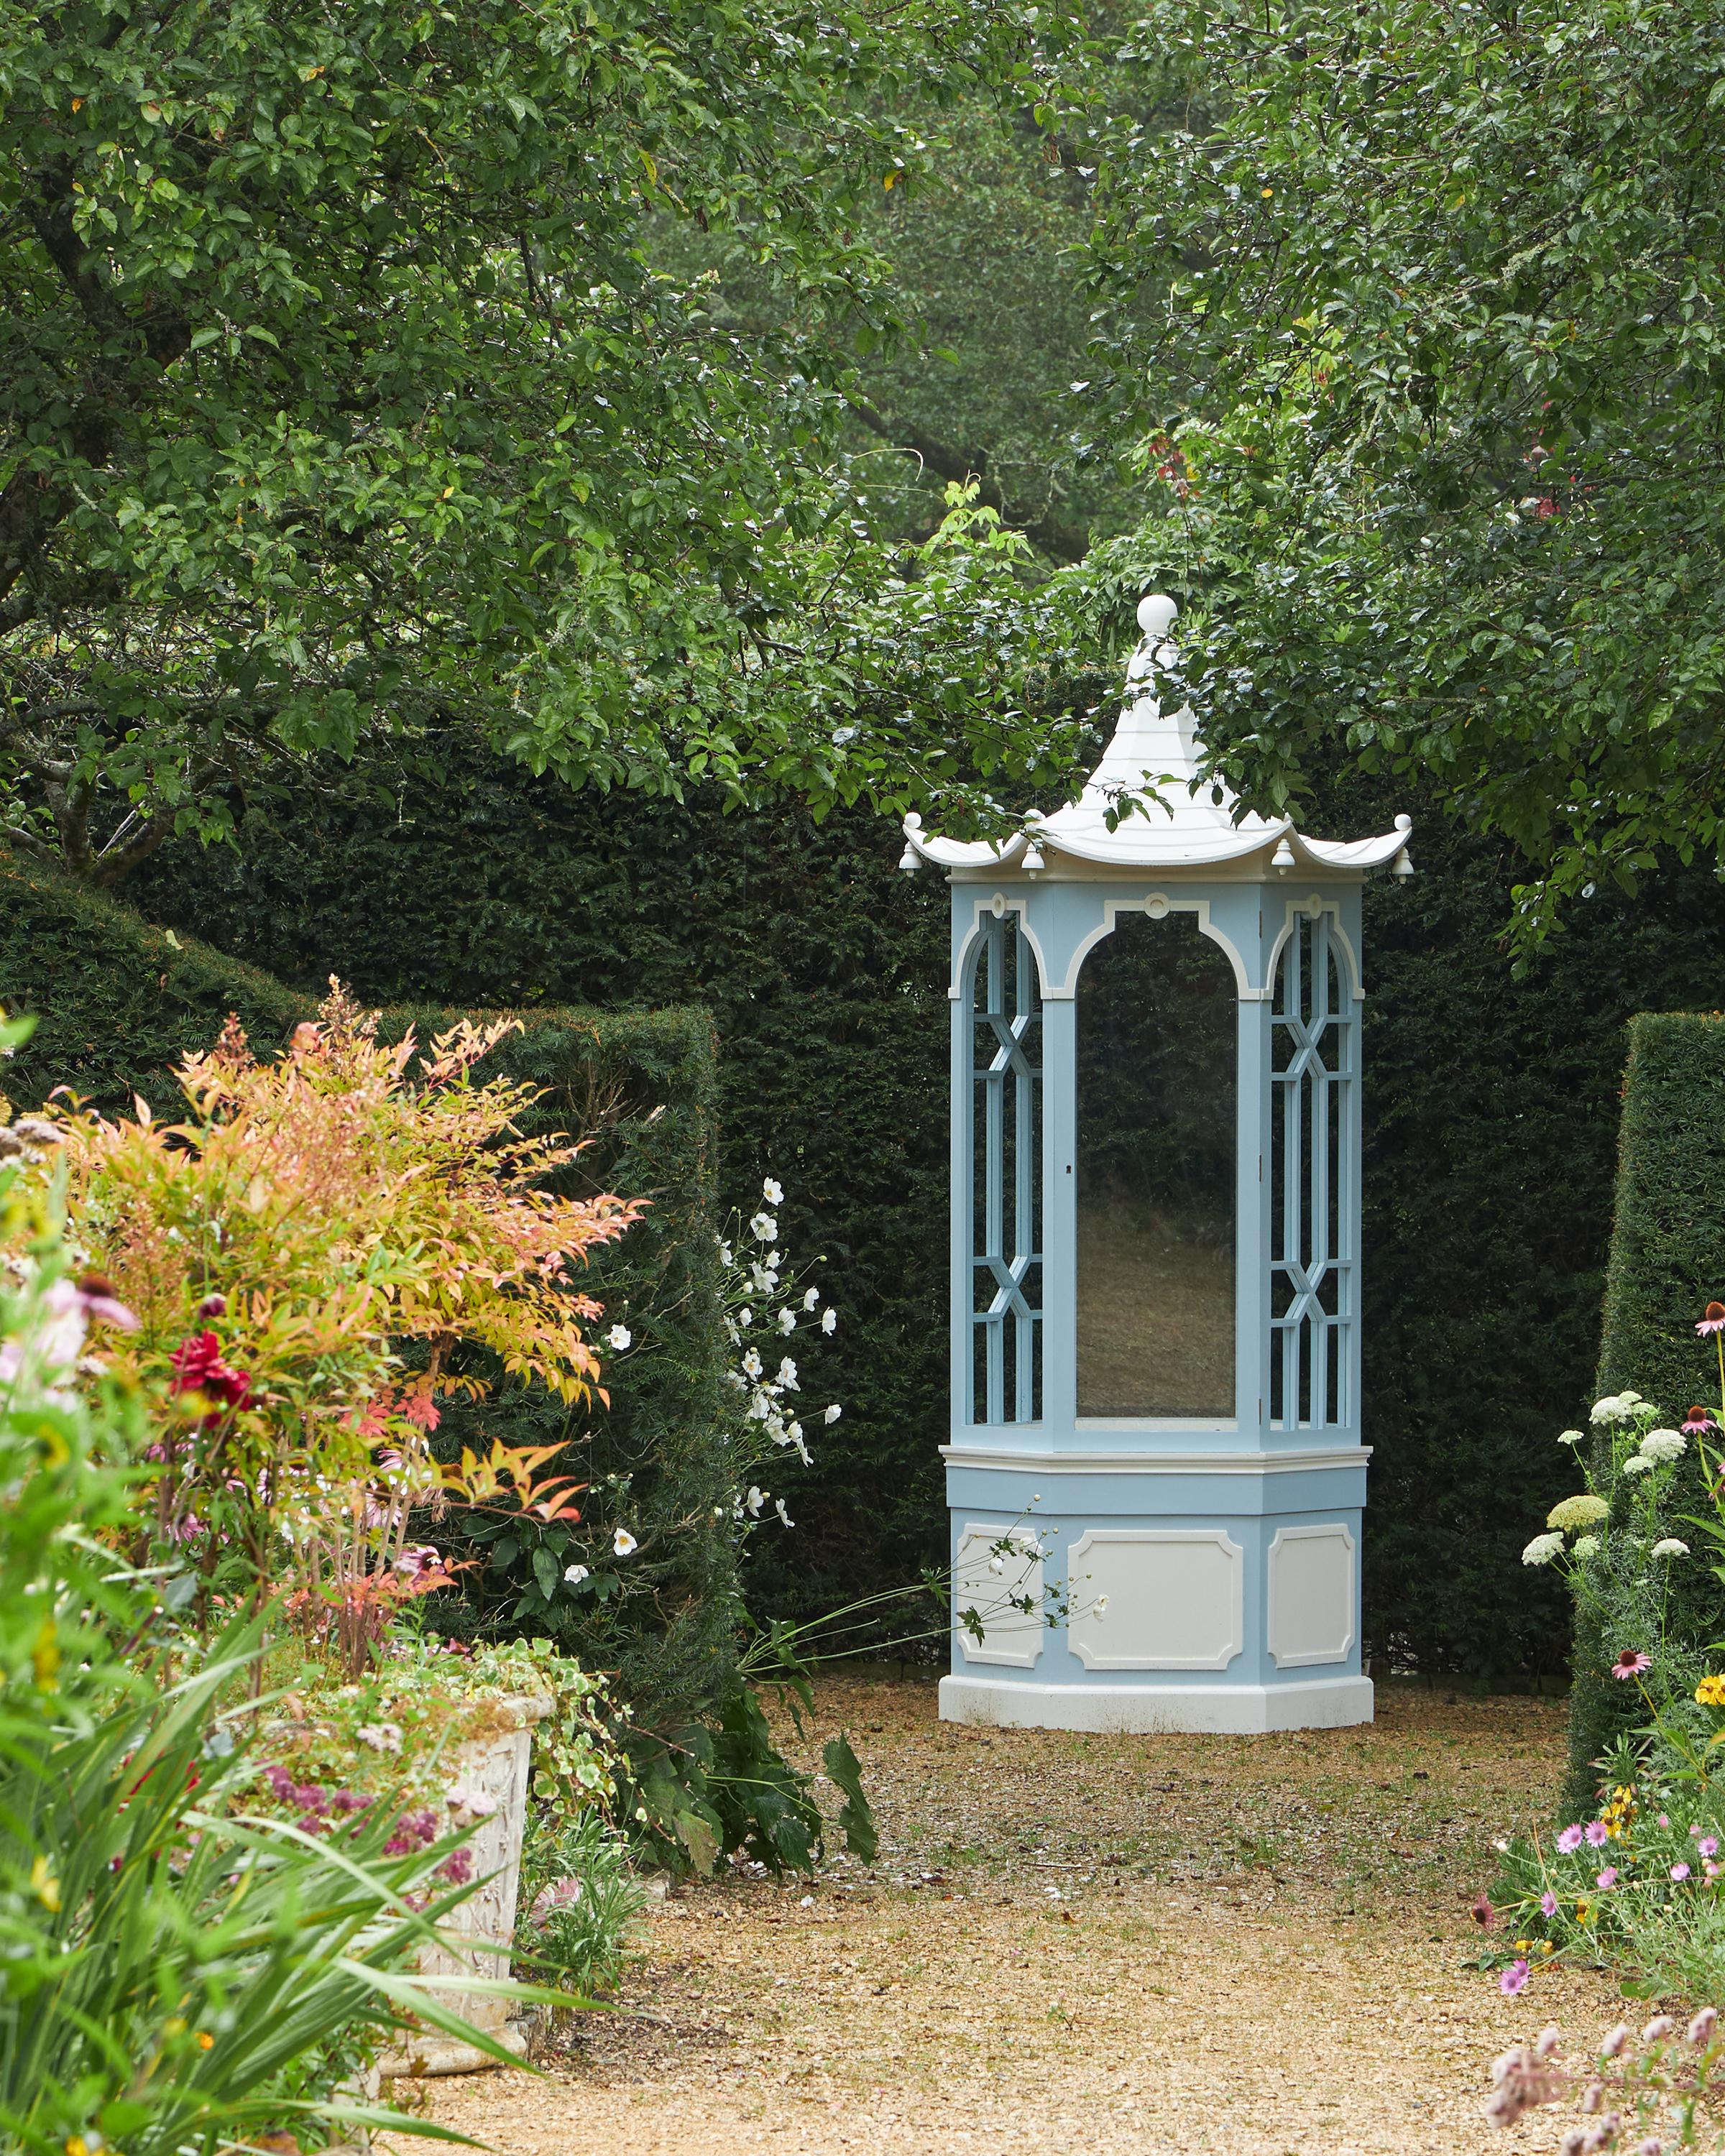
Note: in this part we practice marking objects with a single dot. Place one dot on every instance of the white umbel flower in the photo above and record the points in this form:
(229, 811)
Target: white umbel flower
(1616, 1407)
(1671, 1546)
(1569, 1437)
(1664, 1444)
(1638, 1463)
(1542, 1549)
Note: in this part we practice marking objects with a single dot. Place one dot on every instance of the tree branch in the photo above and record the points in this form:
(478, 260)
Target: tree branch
(1064, 542)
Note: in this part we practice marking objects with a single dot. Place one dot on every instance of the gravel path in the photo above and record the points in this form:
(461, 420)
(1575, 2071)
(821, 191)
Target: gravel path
(1086, 1945)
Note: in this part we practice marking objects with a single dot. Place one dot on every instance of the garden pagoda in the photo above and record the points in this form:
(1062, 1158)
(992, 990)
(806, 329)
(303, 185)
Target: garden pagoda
(1155, 1473)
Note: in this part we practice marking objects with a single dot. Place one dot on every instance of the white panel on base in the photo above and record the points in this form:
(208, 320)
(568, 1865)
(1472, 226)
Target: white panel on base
(1312, 1596)
(1010, 1636)
(1231, 1710)
(1175, 1599)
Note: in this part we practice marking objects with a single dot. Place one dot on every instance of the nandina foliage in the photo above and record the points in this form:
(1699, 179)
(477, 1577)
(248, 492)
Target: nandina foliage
(300, 1255)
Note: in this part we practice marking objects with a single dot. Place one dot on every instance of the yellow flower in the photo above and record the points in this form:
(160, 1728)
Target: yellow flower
(205, 2042)
(45, 1657)
(78, 2146)
(44, 1885)
(1710, 1691)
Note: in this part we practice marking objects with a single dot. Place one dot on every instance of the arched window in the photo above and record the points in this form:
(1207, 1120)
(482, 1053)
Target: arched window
(1157, 1029)
(1313, 1202)
(1005, 1137)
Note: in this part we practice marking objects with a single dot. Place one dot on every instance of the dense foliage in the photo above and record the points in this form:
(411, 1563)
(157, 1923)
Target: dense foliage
(1414, 317)
(347, 397)
(1666, 1266)
(124, 1002)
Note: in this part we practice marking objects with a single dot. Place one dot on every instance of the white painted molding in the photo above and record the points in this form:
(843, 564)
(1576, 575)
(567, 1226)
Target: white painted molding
(1312, 1593)
(1231, 1710)
(1176, 1599)
(1156, 1463)
(1309, 909)
(997, 905)
(1009, 1637)
(1155, 905)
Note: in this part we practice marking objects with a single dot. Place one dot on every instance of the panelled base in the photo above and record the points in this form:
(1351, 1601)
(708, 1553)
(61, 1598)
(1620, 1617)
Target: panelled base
(1233, 1710)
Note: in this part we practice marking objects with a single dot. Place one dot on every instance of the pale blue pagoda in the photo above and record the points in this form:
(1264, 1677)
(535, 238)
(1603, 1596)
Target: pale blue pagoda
(1155, 1256)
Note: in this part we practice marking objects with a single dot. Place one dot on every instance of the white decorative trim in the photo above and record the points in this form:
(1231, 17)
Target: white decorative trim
(1157, 1463)
(997, 905)
(1285, 1621)
(1310, 908)
(1155, 906)
(1013, 1639)
(1241, 1710)
(1104, 1640)
(1185, 1425)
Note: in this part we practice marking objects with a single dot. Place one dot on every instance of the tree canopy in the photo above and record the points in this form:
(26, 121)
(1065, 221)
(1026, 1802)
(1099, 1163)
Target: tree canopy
(1428, 397)
(342, 396)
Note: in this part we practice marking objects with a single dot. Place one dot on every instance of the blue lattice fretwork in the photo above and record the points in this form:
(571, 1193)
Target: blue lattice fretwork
(1313, 1206)
(1005, 1101)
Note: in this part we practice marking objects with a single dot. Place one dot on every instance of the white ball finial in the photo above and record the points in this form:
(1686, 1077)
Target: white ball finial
(1156, 615)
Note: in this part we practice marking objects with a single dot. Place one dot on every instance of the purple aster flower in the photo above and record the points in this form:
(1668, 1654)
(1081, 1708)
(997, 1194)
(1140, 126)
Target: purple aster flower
(1708, 1845)
(1680, 1872)
(1548, 1902)
(1608, 1877)
(1597, 1834)
(1569, 1840)
(1514, 1979)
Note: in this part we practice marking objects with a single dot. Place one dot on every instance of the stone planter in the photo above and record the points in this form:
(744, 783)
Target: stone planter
(488, 1781)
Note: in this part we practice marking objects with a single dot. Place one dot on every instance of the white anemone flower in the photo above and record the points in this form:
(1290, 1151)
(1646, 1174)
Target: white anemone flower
(619, 1337)
(624, 1542)
(810, 1297)
(778, 1507)
(1542, 1549)
(752, 1364)
(787, 1376)
(787, 1320)
(772, 1192)
(573, 1575)
(1671, 1546)
(764, 1227)
(833, 1412)
(726, 1257)
(830, 1321)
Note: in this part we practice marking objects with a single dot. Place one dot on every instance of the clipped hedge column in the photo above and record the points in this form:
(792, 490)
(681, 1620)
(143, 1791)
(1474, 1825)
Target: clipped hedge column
(1667, 1262)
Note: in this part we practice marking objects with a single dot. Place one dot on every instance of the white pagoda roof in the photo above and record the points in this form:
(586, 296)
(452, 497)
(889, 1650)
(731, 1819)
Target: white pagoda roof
(1156, 755)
